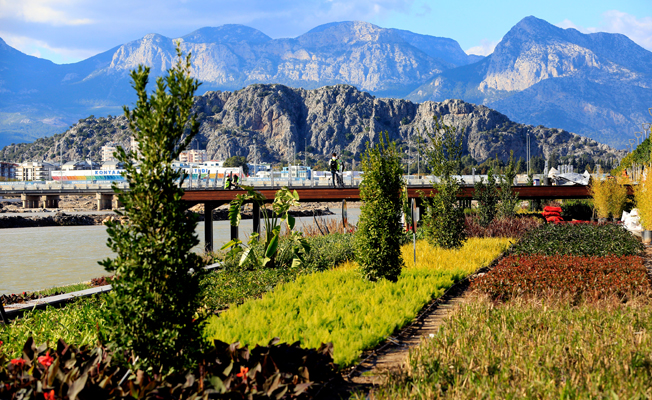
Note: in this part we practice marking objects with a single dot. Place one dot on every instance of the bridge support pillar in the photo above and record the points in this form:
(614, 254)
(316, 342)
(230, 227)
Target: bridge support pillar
(50, 201)
(29, 201)
(208, 226)
(116, 202)
(256, 215)
(103, 201)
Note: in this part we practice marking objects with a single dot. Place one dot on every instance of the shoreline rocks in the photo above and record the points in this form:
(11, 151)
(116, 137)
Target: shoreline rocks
(58, 219)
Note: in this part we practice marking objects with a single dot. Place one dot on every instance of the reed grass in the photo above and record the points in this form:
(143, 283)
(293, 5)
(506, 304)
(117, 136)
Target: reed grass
(338, 306)
(533, 349)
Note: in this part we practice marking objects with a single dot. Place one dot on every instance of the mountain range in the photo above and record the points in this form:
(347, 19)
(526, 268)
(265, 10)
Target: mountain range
(597, 85)
(272, 123)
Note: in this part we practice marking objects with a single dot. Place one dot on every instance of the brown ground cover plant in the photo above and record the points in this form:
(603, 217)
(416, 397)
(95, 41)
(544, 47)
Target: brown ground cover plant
(574, 276)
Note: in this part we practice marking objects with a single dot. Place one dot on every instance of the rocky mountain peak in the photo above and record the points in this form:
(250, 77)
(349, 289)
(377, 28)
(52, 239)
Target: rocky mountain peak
(346, 34)
(229, 33)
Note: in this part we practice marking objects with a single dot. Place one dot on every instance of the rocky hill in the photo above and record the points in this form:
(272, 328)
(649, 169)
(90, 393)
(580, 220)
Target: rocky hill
(274, 120)
(598, 85)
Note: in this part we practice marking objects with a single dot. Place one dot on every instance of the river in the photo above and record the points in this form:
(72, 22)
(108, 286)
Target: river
(39, 258)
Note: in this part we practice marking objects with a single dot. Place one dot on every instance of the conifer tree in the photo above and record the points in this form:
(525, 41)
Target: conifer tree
(378, 239)
(156, 288)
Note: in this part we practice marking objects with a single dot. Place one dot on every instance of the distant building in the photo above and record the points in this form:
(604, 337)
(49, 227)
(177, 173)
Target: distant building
(35, 171)
(112, 165)
(80, 165)
(193, 156)
(7, 171)
(108, 150)
(134, 146)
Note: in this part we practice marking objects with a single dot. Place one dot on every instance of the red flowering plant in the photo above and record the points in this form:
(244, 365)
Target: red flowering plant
(279, 371)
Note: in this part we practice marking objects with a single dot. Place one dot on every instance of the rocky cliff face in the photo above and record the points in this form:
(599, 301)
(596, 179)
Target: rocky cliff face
(598, 85)
(274, 121)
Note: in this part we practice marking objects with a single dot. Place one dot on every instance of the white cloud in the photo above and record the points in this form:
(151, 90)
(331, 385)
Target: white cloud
(41, 49)
(485, 48)
(638, 30)
(54, 12)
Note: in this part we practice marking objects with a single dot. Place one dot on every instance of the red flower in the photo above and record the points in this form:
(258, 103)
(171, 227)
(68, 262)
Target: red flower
(18, 361)
(243, 373)
(46, 360)
(49, 396)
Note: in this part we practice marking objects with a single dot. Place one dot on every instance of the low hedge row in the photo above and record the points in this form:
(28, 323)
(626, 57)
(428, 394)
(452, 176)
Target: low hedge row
(574, 276)
(579, 240)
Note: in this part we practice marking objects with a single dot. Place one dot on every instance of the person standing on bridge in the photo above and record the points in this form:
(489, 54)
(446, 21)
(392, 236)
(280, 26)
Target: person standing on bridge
(227, 181)
(334, 166)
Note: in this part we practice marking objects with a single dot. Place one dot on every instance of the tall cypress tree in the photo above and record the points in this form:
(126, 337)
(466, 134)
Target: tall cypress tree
(378, 240)
(156, 287)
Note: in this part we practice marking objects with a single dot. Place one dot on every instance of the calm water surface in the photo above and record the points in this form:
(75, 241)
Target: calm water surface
(39, 258)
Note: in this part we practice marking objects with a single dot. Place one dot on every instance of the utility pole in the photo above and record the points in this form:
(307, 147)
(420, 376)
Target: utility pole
(409, 153)
(528, 154)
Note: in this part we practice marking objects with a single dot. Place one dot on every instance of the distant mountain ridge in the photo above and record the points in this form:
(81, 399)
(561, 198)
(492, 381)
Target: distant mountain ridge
(596, 85)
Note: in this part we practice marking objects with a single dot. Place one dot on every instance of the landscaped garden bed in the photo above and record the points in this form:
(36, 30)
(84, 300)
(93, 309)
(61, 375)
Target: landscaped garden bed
(567, 315)
(337, 306)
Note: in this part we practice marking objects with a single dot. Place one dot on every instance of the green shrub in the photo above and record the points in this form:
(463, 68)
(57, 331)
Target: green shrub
(443, 221)
(487, 196)
(579, 240)
(506, 207)
(156, 293)
(577, 209)
(378, 238)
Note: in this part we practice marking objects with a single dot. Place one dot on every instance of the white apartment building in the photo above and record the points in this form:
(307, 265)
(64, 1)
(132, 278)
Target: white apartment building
(193, 156)
(107, 151)
(35, 171)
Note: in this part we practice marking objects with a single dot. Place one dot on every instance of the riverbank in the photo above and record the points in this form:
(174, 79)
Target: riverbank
(77, 211)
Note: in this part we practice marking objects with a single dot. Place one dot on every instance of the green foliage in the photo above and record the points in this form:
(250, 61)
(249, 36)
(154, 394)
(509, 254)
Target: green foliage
(487, 196)
(579, 240)
(506, 208)
(77, 323)
(577, 209)
(378, 237)
(155, 295)
(443, 221)
(237, 161)
(641, 155)
(445, 150)
(239, 284)
(272, 220)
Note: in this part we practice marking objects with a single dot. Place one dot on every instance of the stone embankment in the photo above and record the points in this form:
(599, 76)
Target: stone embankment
(58, 219)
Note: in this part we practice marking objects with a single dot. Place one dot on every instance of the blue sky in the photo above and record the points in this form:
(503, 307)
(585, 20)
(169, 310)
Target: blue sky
(66, 31)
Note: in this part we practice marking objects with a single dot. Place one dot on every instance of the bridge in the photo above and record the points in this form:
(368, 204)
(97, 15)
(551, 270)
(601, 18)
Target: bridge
(47, 195)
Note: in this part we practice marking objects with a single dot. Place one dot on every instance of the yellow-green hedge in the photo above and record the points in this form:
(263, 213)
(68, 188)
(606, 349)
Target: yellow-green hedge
(339, 306)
